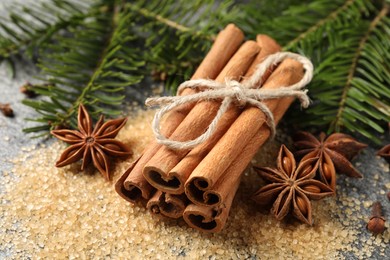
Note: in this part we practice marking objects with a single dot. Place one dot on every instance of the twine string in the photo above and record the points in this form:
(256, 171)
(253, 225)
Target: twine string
(232, 91)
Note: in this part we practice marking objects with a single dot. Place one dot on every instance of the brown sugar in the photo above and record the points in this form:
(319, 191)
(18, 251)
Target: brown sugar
(65, 213)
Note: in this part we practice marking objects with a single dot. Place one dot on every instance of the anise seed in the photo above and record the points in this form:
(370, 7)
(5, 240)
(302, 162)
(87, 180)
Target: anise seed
(312, 188)
(326, 169)
(71, 137)
(71, 153)
(301, 205)
(113, 147)
(305, 171)
(287, 165)
(100, 159)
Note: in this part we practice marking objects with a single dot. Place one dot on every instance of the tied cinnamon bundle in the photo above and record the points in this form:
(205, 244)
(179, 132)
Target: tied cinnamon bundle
(212, 185)
(168, 205)
(186, 165)
(199, 180)
(132, 186)
(157, 170)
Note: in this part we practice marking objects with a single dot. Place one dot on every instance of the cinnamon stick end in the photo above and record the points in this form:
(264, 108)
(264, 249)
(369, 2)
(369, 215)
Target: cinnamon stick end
(130, 191)
(267, 44)
(232, 27)
(205, 219)
(168, 205)
(199, 192)
(170, 184)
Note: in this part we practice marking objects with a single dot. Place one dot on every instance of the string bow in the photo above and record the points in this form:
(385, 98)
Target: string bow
(232, 91)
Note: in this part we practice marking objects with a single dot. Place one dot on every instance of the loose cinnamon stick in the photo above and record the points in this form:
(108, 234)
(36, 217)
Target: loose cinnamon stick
(202, 186)
(156, 171)
(194, 157)
(168, 205)
(132, 185)
(213, 218)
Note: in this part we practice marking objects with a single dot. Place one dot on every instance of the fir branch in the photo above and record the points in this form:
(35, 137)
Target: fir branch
(332, 16)
(286, 23)
(350, 86)
(157, 17)
(383, 13)
(28, 27)
(95, 58)
(97, 71)
(76, 74)
(181, 28)
(181, 34)
(92, 65)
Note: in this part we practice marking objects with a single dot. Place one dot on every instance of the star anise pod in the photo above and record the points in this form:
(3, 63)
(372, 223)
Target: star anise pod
(291, 187)
(92, 144)
(334, 153)
(385, 152)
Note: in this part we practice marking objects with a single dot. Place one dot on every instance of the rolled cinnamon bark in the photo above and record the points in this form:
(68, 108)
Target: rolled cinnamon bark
(168, 205)
(211, 182)
(207, 219)
(268, 46)
(132, 185)
(157, 170)
(133, 195)
(213, 218)
(185, 167)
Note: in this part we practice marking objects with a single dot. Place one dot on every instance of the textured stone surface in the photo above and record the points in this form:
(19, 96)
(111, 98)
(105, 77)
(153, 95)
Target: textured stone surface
(354, 196)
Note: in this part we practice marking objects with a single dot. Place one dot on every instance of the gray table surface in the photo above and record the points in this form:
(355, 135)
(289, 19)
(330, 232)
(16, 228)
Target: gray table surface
(12, 139)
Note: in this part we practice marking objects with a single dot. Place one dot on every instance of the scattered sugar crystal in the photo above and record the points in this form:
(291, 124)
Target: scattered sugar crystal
(54, 213)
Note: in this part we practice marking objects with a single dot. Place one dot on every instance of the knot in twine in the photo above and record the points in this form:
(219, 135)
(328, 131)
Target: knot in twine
(230, 91)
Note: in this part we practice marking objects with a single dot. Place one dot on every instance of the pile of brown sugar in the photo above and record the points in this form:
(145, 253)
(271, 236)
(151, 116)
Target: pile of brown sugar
(65, 213)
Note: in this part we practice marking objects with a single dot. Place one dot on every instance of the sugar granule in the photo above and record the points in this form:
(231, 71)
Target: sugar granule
(64, 213)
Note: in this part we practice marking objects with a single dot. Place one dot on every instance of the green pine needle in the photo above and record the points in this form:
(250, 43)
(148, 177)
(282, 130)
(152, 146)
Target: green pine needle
(348, 42)
(89, 53)
(91, 65)
(27, 28)
(179, 33)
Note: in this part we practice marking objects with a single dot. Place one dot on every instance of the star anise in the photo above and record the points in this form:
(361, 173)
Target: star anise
(291, 187)
(334, 153)
(385, 152)
(92, 144)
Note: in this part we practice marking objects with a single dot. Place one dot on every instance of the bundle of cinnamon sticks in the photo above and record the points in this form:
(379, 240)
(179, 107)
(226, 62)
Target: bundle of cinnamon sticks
(199, 184)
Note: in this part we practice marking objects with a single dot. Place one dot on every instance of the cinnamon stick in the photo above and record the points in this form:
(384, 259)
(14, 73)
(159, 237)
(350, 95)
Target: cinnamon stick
(205, 218)
(213, 218)
(132, 185)
(203, 186)
(168, 205)
(268, 46)
(157, 170)
(185, 167)
(131, 195)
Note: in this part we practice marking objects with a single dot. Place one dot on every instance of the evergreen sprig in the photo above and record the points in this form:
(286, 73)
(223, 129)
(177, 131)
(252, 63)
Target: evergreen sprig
(97, 55)
(347, 40)
(90, 52)
(26, 28)
(91, 64)
(177, 34)
(351, 87)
